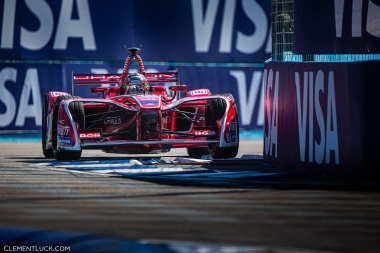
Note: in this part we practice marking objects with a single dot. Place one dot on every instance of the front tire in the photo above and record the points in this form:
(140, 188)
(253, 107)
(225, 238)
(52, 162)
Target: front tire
(197, 151)
(48, 153)
(215, 110)
(77, 112)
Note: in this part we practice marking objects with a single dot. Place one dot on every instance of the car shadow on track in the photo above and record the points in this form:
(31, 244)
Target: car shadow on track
(248, 174)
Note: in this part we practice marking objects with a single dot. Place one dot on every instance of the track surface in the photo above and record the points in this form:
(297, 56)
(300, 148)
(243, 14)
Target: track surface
(296, 212)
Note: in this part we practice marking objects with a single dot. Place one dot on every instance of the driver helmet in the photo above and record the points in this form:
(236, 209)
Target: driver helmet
(135, 83)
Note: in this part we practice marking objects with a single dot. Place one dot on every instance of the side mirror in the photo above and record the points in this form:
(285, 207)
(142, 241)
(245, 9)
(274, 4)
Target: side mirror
(175, 89)
(180, 88)
(102, 90)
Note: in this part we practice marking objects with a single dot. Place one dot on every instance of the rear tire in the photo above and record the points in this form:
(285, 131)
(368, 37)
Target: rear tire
(48, 153)
(77, 111)
(215, 110)
(197, 151)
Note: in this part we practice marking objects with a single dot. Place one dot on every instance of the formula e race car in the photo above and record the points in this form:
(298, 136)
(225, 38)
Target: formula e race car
(138, 117)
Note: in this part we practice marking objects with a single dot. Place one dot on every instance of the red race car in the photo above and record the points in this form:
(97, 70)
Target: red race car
(138, 117)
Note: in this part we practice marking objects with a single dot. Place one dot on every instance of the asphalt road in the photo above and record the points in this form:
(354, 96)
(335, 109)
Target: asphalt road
(279, 214)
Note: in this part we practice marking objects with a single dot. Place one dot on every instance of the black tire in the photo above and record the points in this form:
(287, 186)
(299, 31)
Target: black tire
(48, 153)
(197, 151)
(77, 111)
(215, 110)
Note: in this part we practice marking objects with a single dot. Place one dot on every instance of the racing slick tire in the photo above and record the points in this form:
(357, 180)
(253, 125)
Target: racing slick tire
(215, 109)
(48, 153)
(197, 151)
(77, 111)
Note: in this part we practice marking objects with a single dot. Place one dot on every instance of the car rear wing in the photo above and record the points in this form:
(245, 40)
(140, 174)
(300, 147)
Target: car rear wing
(94, 79)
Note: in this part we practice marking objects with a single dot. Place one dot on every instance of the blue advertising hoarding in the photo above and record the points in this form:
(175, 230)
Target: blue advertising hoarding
(70, 29)
(337, 27)
(318, 119)
(43, 41)
(22, 87)
(167, 30)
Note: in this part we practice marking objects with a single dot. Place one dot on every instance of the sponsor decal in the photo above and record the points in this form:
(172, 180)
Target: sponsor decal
(149, 102)
(96, 77)
(63, 130)
(66, 141)
(93, 135)
(112, 120)
(160, 75)
(205, 133)
(57, 94)
(199, 92)
(232, 127)
(152, 100)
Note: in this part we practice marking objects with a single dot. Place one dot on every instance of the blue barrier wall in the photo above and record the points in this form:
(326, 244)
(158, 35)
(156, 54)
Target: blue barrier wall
(337, 27)
(23, 85)
(168, 30)
(218, 44)
(322, 117)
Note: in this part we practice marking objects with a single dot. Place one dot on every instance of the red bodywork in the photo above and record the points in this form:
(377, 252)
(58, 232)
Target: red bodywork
(146, 123)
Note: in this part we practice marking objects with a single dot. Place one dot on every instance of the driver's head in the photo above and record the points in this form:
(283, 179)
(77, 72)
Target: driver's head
(135, 83)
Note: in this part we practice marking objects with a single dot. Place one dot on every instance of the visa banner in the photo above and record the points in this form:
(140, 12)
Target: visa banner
(21, 90)
(318, 119)
(22, 87)
(167, 30)
(337, 27)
